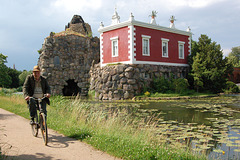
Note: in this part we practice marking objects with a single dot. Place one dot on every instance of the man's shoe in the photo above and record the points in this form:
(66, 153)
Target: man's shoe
(32, 122)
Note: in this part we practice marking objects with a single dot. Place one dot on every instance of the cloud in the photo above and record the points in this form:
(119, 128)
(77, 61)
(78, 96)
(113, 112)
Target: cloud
(226, 52)
(76, 5)
(192, 3)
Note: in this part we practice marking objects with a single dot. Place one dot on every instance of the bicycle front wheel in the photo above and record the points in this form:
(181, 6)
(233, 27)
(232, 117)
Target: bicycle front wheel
(34, 126)
(43, 126)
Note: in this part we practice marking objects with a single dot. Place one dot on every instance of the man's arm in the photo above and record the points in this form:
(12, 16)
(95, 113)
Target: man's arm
(26, 87)
(48, 89)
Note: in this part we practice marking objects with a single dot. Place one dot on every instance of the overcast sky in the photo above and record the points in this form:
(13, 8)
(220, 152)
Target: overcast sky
(26, 23)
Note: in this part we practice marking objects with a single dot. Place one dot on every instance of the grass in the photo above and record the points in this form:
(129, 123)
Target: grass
(113, 131)
(192, 94)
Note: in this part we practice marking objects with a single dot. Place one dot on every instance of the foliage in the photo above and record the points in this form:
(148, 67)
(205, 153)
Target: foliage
(14, 74)
(5, 79)
(23, 76)
(209, 69)
(163, 85)
(91, 94)
(147, 94)
(181, 85)
(234, 56)
(7, 91)
(40, 51)
(231, 87)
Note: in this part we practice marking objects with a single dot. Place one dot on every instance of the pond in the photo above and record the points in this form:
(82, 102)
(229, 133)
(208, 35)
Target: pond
(210, 125)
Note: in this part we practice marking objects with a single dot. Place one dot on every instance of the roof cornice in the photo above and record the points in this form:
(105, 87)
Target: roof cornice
(142, 24)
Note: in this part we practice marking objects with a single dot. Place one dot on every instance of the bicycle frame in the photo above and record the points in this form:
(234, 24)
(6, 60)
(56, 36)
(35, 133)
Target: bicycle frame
(40, 121)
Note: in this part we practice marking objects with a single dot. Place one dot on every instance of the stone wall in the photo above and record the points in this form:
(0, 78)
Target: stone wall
(124, 81)
(66, 59)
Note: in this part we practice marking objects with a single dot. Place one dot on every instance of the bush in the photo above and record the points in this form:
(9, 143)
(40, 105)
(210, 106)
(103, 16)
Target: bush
(181, 85)
(147, 94)
(20, 89)
(161, 85)
(231, 87)
(6, 91)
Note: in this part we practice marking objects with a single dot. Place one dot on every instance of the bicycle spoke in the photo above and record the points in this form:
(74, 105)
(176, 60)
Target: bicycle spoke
(34, 127)
(44, 128)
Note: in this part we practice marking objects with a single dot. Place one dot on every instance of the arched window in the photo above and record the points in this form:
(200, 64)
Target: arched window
(56, 61)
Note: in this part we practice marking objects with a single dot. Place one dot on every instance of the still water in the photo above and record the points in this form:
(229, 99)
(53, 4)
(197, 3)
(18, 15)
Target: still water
(208, 125)
(212, 126)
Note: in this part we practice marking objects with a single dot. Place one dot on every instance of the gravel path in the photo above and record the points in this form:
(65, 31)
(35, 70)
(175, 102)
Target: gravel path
(17, 142)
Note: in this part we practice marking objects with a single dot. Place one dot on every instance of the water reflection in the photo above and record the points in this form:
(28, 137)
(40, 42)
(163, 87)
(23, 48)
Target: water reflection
(210, 126)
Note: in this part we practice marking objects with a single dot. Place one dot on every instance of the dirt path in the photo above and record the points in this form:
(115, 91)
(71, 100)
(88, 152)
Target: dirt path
(17, 142)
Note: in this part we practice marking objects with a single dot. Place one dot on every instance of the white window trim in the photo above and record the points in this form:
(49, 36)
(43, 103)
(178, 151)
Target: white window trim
(180, 43)
(145, 37)
(114, 39)
(164, 40)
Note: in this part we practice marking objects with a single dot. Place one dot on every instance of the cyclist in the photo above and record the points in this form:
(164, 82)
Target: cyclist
(36, 86)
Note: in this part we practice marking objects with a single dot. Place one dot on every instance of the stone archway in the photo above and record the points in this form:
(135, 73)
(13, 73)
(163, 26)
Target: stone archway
(71, 89)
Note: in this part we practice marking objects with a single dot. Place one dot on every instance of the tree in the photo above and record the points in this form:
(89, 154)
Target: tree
(234, 56)
(194, 51)
(5, 79)
(197, 68)
(14, 74)
(209, 69)
(23, 76)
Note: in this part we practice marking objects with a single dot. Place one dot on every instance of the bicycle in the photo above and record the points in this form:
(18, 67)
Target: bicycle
(40, 121)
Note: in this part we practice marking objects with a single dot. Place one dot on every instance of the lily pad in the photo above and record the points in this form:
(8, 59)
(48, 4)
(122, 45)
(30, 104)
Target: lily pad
(236, 150)
(218, 151)
(233, 137)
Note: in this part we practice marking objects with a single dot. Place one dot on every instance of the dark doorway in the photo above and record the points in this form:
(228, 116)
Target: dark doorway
(71, 89)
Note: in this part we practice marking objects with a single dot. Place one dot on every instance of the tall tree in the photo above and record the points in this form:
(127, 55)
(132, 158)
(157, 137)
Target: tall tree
(14, 74)
(194, 51)
(23, 76)
(5, 79)
(234, 56)
(209, 69)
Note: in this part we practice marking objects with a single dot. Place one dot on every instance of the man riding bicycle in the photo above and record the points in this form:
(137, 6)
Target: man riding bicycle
(36, 86)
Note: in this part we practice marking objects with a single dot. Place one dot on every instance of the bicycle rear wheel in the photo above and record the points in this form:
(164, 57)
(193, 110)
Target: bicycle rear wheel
(35, 126)
(43, 126)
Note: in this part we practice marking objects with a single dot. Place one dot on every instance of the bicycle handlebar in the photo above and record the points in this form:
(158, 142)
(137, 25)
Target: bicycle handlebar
(44, 96)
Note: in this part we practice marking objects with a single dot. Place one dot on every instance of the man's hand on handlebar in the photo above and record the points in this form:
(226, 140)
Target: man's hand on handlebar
(27, 98)
(48, 95)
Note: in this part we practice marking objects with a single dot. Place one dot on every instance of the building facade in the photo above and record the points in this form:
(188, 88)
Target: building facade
(135, 42)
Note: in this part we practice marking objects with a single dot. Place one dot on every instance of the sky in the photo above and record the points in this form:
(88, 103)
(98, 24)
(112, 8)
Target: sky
(26, 23)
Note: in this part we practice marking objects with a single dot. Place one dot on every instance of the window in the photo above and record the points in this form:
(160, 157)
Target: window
(165, 47)
(56, 61)
(146, 45)
(181, 49)
(114, 46)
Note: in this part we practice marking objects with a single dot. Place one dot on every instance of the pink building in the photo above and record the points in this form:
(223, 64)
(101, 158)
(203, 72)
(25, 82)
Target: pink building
(134, 42)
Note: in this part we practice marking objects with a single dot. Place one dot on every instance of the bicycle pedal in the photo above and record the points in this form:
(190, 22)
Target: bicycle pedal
(32, 123)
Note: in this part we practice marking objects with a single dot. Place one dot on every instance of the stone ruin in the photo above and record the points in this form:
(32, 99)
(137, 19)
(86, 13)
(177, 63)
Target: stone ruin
(66, 58)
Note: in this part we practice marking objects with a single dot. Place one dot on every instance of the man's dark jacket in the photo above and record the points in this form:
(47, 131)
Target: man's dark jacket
(29, 86)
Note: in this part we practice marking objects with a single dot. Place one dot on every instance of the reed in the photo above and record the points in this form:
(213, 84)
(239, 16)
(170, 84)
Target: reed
(115, 130)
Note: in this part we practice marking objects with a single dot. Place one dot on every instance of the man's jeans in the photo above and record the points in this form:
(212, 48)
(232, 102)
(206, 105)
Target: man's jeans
(32, 107)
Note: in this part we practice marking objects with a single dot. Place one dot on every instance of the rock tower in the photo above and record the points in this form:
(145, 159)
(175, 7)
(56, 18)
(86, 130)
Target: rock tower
(66, 58)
